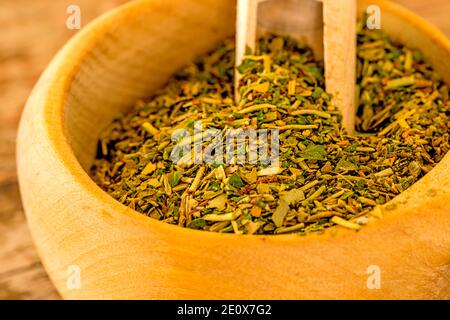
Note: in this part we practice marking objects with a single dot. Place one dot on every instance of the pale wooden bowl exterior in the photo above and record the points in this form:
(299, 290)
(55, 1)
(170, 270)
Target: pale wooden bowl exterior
(122, 254)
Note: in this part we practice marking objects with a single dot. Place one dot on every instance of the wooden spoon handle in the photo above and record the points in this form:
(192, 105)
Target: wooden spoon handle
(246, 23)
(301, 19)
(338, 39)
(339, 18)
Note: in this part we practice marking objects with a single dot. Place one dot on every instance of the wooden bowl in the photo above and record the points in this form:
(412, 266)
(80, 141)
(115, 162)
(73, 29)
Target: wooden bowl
(127, 54)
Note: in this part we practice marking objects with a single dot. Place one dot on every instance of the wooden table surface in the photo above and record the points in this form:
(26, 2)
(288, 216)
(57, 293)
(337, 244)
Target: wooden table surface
(31, 32)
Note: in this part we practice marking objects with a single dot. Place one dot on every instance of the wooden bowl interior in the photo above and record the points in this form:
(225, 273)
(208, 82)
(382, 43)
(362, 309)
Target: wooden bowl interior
(135, 57)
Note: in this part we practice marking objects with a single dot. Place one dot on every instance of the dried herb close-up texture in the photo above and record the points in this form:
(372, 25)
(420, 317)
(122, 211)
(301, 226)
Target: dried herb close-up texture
(33, 32)
(325, 176)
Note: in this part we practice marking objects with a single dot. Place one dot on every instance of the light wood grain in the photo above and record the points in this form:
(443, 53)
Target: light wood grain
(300, 19)
(31, 33)
(339, 37)
(246, 23)
(25, 49)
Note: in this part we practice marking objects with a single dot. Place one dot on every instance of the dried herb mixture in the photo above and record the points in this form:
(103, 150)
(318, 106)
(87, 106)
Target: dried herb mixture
(325, 177)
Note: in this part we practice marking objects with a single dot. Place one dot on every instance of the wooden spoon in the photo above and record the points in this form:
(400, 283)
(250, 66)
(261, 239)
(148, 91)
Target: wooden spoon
(329, 27)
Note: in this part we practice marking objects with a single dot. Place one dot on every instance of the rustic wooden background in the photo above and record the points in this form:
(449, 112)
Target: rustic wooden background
(30, 34)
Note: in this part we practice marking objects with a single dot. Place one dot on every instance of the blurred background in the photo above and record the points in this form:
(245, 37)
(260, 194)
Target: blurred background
(31, 32)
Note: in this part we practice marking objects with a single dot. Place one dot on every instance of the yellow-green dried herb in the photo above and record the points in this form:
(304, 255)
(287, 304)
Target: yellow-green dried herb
(324, 176)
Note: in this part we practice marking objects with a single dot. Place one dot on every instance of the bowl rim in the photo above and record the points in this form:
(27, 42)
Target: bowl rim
(64, 73)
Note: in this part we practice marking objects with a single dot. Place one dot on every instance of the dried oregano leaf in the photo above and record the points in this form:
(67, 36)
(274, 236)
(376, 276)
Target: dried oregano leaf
(314, 152)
